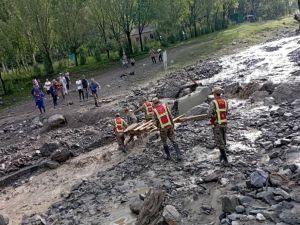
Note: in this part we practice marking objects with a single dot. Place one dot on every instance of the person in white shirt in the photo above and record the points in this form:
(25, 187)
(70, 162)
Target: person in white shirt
(80, 89)
(47, 86)
(63, 81)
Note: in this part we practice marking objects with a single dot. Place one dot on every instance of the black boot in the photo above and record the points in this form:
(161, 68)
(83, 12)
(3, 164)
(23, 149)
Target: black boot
(167, 151)
(178, 154)
(223, 155)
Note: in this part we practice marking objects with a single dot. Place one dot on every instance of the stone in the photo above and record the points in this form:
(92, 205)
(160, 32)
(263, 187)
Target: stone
(286, 92)
(51, 164)
(240, 209)
(48, 148)
(61, 155)
(284, 194)
(290, 217)
(269, 86)
(136, 206)
(195, 98)
(171, 215)
(246, 200)
(259, 96)
(258, 178)
(56, 120)
(269, 101)
(278, 180)
(234, 216)
(4, 220)
(198, 110)
(235, 223)
(229, 203)
(260, 217)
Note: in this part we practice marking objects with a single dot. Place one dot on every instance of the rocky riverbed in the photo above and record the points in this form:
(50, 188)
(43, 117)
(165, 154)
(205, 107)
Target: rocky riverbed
(261, 185)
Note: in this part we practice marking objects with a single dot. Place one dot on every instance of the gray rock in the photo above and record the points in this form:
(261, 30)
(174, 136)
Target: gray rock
(269, 101)
(290, 217)
(136, 206)
(259, 96)
(234, 216)
(240, 209)
(51, 164)
(287, 92)
(284, 194)
(246, 200)
(260, 217)
(171, 215)
(259, 178)
(56, 120)
(229, 203)
(278, 180)
(269, 86)
(4, 220)
(61, 155)
(48, 148)
(198, 110)
(197, 97)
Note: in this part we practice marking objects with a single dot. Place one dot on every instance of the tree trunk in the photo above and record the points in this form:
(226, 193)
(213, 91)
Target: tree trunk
(195, 28)
(151, 211)
(129, 42)
(299, 4)
(107, 53)
(2, 83)
(48, 63)
(141, 40)
(76, 57)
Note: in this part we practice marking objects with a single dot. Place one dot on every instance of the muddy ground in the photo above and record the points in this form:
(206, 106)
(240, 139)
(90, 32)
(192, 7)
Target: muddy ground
(98, 184)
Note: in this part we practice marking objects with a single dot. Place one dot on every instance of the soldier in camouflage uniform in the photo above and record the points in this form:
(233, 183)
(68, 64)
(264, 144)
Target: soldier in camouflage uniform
(164, 121)
(217, 112)
(147, 108)
(119, 127)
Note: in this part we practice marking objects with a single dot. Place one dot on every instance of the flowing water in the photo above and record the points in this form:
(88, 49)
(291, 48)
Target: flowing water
(266, 61)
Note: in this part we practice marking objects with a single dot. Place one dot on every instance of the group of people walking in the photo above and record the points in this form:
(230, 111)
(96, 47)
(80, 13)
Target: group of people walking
(161, 55)
(161, 115)
(60, 87)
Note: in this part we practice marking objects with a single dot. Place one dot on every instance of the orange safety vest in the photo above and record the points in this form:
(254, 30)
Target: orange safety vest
(119, 128)
(221, 110)
(149, 108)
(162, 115)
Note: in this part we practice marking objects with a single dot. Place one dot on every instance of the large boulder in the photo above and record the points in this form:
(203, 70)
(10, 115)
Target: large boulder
(169, 90)
(48, 148)
(56, 120)
(259, 96)
(286, 92)
(198, 110)
(4, 220)
(61, 155)
(269, 86)
(171, 215)
(196, 98)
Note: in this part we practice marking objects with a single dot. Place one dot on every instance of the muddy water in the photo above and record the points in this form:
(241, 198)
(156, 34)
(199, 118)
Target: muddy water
(258, 62)
(42, 190)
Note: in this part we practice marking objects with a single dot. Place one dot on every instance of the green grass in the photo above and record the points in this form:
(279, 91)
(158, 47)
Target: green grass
(213, 43)
(201, 47)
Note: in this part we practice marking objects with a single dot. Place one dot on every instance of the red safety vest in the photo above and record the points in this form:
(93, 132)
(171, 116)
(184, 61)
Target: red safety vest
(221, 110)
(149, 108)
(162, 115)
(119, 128)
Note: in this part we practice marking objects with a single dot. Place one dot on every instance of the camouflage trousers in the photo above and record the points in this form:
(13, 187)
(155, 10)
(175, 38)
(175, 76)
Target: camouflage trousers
(167, 133)
(120, 137)
(220, 136)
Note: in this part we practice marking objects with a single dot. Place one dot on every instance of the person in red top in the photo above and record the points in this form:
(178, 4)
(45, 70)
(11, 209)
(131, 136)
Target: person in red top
(119, 127)
(217, 113)
(164, 121)
(147, 108)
